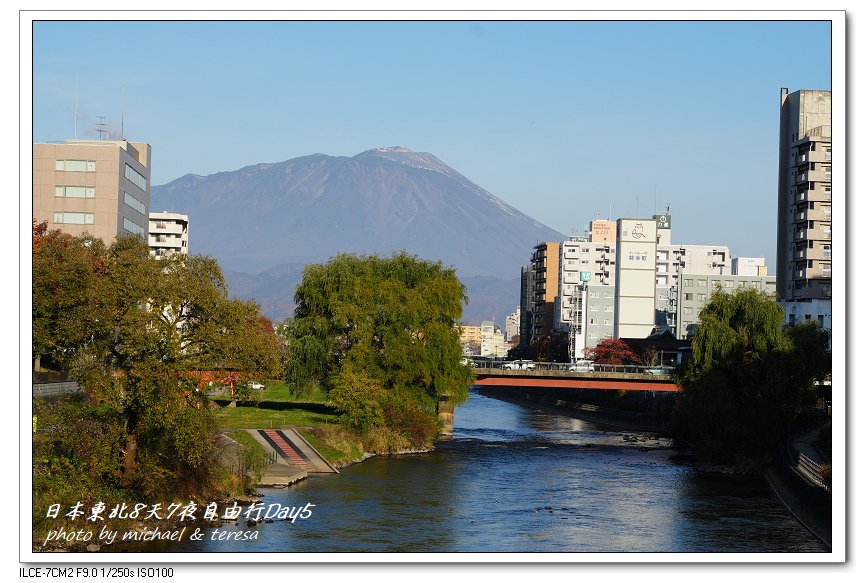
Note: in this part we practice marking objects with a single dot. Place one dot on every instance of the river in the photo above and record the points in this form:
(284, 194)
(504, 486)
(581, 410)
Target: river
(518, 479)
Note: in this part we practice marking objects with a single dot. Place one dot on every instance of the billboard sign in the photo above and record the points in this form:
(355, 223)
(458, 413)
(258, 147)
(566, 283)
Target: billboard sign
(585, 276)
(663, 221)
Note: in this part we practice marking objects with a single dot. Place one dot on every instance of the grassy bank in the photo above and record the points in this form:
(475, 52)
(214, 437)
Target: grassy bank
(276, 407)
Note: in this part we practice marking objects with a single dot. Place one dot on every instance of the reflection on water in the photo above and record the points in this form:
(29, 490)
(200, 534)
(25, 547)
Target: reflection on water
(515, 479)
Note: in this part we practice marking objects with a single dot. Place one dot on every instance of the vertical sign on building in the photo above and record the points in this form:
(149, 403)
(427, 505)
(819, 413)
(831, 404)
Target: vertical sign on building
(636, 248)
(602, 231)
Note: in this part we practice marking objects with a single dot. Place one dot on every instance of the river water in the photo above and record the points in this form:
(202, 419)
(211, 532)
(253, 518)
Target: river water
(517, 479)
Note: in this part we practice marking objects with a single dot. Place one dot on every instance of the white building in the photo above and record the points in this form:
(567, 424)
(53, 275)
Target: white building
(749, 266)
(169, 233)
(512, 325)
(636, 256)
(492, 340)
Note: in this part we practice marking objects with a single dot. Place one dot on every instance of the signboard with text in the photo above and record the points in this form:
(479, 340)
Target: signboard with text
(663, 221)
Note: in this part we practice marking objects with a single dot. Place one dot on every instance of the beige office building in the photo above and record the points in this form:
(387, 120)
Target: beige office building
(169, 233)
(99, 187)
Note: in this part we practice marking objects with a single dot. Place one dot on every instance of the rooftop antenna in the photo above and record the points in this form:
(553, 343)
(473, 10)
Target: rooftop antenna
(75, 111)
(122, 107)
(100, 127)
(656, 199)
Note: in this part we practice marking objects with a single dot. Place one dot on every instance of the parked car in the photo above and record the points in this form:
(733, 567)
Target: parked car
(659, 370)
(582, 366)
(519, 365)
(256, 386)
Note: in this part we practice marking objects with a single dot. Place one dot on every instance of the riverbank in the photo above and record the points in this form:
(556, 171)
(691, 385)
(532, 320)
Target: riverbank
(802, 492)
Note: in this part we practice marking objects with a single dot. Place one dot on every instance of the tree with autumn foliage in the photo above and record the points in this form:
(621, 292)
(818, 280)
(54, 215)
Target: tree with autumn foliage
(612, 351)
(129, 328)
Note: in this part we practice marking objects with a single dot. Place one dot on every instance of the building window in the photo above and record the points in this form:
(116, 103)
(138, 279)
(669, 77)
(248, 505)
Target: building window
(606, 322)
(75, 191)
(75, 165)
(687, 311)
(608, 295)
(827, 251)
(132, 227)
(827, 231)
(608, 308)
(701, 297)
(133, 176)
(728, 283)
(827, 271)
(594, 294)
(591, 321)
(701, 283)
(133, 202)
(688, 282)
(73, 218)
(827, 211)
(593, 308)
(689, 297)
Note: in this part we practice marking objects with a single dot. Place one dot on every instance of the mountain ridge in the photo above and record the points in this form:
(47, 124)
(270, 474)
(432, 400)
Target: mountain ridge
(310, 208)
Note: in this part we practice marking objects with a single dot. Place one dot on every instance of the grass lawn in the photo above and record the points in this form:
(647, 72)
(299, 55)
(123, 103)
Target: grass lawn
(274, 407)
(242, 417)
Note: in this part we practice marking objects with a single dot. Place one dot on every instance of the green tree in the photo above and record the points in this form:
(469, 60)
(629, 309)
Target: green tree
(379, 334)
(748, 379)
(130, 328)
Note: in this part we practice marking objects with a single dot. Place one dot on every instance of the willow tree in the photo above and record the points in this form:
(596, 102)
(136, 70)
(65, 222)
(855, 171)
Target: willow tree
(380, 335)
(748, 378)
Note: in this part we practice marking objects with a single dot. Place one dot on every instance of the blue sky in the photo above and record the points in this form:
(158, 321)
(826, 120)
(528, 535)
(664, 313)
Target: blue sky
(564, 120)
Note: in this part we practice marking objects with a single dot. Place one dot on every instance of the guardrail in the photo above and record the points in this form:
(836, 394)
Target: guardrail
(811, 470)
(44, 390)
(565, 366)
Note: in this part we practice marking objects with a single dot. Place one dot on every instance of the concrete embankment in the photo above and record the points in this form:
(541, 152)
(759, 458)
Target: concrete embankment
(791, 475)
(293, 457)
(634, 410)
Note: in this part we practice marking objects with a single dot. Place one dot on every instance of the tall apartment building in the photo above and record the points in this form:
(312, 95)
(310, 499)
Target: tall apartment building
(805, 205)
(527, 295)
(100, 187)
(512, 325)
(545, 265)
(169, 233)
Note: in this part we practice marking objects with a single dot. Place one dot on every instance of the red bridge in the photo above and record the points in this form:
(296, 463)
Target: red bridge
(619, 381)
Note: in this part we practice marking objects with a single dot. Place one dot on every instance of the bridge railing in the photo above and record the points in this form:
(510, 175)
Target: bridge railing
(523, 365)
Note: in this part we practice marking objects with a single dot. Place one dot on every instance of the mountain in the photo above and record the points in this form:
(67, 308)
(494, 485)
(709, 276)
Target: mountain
(263, 222)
